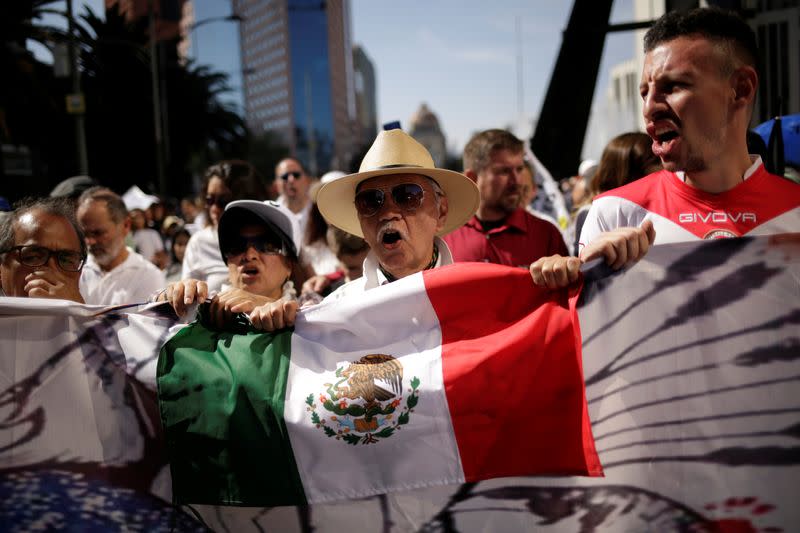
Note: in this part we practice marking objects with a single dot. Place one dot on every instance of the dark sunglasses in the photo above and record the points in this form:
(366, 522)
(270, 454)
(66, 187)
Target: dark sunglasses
(219, 201)
(293, 174)
(406, 196)
(260, 243)
(36, 256)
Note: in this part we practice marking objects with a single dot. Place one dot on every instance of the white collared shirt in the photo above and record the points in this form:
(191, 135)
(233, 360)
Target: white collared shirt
(133, 281)
(301, 218)
(374, 277)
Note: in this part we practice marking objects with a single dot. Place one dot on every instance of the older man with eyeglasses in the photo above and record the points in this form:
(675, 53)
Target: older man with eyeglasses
(401, 204)
(42, 251)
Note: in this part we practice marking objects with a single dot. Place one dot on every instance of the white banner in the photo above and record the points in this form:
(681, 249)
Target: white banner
(692, 366)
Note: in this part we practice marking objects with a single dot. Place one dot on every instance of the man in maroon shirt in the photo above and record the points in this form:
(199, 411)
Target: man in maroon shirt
(501, 232)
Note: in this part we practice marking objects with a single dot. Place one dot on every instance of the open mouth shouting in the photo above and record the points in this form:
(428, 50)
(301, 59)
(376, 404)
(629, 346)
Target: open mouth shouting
(249, 273)
(665, 137)
(390, 237)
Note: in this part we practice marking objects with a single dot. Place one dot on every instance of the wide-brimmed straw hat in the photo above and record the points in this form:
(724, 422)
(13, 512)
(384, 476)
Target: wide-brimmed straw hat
(396, 152)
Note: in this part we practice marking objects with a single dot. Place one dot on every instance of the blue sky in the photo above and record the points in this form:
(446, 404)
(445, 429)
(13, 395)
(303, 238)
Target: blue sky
(458, 56)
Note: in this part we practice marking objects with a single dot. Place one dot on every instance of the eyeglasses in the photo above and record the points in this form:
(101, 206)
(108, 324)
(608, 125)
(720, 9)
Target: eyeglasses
(293, 174)
(407, 196)
(36, 256)
(219, 201)
(260, 243)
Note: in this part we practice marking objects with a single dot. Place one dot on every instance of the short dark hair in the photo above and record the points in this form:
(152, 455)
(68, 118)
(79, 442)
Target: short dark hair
(291, 158)
(59, 206)
(114, 204)
(480, 147)
(712, 23)
(242, 178)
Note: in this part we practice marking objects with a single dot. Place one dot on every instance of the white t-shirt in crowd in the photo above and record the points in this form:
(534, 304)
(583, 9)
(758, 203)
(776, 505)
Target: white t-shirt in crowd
(134, 281)
(203, 260)
(148, 242)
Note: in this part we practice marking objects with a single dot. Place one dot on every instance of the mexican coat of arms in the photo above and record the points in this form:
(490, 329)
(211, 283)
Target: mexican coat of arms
(366, 404)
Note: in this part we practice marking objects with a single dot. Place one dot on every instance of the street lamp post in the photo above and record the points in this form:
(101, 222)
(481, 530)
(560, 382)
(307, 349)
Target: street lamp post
(158, 90)
(80, 125)
(227, 18)
(195, 46)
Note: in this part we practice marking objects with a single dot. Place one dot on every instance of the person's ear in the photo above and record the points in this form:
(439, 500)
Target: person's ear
(290, 267)
(744, 82)
(443, 208)
(471, 174)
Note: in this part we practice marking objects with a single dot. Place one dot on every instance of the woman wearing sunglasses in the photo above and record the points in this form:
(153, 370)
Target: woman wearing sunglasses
(257, 241)
(225, 182)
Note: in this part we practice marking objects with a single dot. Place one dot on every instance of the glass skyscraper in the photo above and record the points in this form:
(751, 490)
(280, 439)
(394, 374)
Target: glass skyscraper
(299, 77)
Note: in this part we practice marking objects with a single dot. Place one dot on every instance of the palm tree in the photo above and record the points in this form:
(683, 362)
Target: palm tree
(118, 85)
(32, 114)
(202, 127)
(116, 80)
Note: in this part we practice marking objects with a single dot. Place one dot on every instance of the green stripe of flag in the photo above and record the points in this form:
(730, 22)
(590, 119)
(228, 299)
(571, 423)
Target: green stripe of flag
(222, 400)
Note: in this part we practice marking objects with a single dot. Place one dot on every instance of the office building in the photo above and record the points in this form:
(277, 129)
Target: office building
(298, 82)
(426, 130)
(365, 95)
(167, 12)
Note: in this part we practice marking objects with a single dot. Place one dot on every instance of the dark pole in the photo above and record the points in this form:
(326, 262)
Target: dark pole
(80, 127)
(162, 176)
(561, 127)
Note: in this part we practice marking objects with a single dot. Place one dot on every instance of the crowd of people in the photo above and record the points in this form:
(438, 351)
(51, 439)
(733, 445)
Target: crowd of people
(689, 177)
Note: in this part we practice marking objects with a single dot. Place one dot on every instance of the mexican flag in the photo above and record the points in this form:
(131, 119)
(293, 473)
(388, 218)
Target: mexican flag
(453, 375)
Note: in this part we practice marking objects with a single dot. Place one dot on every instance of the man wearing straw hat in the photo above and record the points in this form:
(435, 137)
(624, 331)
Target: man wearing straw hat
(401, 204)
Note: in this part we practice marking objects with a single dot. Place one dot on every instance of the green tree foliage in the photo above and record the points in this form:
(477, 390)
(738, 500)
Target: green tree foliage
(119, 108)
(32, 109)
(122, 130)
(117, 83)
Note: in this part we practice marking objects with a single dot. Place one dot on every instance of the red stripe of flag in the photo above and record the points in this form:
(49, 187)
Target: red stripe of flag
(513, 377)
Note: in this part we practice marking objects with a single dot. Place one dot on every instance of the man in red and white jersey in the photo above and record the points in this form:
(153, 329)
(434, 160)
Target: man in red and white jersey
(698, 86)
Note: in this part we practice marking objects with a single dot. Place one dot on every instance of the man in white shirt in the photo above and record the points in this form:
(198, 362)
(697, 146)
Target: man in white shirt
(294, 186)
(114, 274)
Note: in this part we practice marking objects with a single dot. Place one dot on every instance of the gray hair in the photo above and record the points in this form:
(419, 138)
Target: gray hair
(114, 204)
(438, 193)
(56, 206)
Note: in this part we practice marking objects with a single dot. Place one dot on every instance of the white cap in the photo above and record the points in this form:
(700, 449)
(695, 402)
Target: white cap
(587, 168)
(332, 175)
